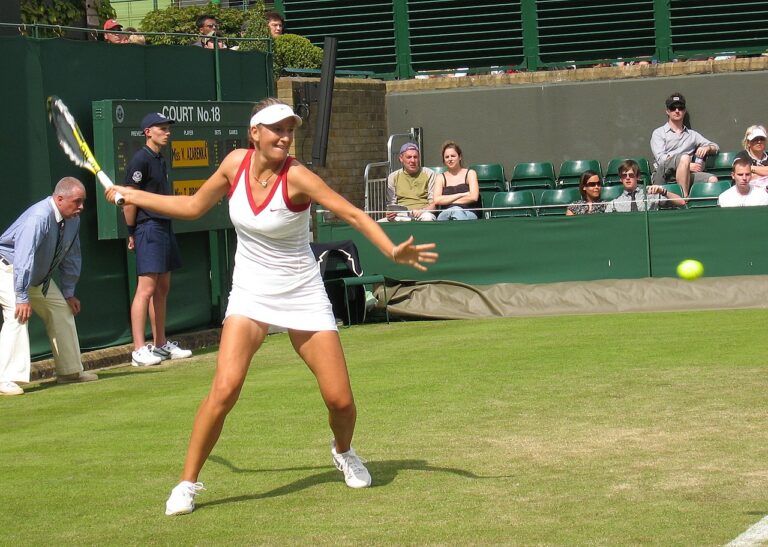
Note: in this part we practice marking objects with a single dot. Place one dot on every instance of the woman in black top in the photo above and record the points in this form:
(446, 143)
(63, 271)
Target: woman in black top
(456, 190)
(589, 186)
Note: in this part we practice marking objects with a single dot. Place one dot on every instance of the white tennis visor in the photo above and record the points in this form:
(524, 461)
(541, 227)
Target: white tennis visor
(274, 113)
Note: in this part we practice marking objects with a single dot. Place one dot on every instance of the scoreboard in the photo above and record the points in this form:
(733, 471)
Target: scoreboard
(204, 133)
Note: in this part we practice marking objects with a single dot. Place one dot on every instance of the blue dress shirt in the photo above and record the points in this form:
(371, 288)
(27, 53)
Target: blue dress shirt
(30, 245)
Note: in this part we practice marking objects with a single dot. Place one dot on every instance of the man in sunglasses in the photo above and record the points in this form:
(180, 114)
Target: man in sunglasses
(208, 28)
(638, 198)
(679, 152)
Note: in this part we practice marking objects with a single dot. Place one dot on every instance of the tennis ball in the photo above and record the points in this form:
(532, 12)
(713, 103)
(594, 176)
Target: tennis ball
(690, 269)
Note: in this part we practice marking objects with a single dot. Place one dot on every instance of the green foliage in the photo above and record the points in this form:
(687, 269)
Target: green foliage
(182, 20)
(292, 50)
(61, 12)
(105, 10)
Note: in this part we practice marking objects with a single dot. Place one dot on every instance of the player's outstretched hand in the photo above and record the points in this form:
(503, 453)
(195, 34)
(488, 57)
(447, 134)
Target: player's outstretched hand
(110, 192)
(414, 255)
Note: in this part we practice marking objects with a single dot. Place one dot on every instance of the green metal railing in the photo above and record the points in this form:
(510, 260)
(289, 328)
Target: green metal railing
(405, 38)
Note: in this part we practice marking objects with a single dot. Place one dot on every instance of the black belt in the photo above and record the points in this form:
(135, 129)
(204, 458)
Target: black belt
(4, 261)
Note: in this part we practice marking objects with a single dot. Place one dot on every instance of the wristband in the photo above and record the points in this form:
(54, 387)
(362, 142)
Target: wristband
(131, 230)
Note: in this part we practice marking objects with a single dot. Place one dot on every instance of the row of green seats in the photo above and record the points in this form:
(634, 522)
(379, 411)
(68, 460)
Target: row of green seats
(541, 175)
(544, 202)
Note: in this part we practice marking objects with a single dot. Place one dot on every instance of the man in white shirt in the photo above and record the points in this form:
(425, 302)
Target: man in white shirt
(742, 194)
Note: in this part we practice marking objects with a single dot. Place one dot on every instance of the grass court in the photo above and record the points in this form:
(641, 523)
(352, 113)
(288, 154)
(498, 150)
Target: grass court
(633, 429)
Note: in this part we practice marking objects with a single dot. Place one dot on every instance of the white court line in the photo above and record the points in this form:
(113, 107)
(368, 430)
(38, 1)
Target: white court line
(757, 534)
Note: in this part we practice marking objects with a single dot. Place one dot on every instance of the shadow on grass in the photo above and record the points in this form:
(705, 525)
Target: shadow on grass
(48, 383)
(383, 473)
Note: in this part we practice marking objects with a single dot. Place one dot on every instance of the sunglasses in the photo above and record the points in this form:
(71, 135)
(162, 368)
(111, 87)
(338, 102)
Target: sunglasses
(627, 175)
(593, 184)
(677, 108)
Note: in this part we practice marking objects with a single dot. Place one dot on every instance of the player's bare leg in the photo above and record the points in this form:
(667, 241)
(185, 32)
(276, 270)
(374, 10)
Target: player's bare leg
(240, 338)
(324, 356)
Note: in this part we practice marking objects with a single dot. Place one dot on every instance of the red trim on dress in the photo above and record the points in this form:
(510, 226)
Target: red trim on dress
(245, 164)
(283, 176)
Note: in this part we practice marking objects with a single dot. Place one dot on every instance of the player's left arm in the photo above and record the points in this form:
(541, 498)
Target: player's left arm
(303, 183)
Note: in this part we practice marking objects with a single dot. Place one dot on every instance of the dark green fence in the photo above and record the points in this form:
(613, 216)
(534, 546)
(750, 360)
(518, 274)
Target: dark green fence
(81, 72)
(579, 248)
(402, 38)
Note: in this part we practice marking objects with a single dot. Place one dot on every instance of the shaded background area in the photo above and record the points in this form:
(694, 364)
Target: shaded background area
(82, 72)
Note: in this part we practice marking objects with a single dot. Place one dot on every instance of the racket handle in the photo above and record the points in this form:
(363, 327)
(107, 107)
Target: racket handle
(106, 183)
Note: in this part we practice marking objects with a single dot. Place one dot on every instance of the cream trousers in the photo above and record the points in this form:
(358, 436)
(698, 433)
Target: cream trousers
(15, 362)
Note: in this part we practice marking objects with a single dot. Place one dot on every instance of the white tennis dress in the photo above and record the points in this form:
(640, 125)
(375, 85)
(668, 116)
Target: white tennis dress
(276, 278)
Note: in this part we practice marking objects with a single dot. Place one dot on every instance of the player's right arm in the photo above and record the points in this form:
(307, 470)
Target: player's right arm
(186, 207)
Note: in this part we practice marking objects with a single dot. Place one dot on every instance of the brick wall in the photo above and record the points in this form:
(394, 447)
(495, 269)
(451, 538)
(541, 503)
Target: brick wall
(357, 136)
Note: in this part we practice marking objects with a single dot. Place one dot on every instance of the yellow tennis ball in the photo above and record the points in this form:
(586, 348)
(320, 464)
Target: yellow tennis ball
(690, 269)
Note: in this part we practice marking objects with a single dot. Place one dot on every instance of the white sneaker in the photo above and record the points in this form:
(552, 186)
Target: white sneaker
(182, 498)
(10, 388)
(144, 357)
(355, 473)
(171, 350)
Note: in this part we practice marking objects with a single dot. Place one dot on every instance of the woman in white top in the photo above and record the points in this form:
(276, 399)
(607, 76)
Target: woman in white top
(275, 281)
(456, 189)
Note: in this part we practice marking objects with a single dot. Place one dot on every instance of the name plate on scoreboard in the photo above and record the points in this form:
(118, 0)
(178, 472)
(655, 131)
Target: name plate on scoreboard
(190, 153)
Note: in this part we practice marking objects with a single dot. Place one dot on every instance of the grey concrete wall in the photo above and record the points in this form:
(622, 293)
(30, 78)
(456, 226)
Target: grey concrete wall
(553, 122)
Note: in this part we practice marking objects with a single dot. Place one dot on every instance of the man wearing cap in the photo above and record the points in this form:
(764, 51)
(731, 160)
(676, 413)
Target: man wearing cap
(409, 190)
(679, 152)
(44, 240)
(112, 37)
(742, 193)
(151, 236)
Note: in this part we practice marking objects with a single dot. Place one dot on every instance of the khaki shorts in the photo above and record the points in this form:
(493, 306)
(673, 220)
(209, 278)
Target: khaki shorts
(666, 172)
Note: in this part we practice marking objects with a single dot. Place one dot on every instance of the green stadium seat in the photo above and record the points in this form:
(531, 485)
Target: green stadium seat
(704, 194)
(440, 169)
(533, 175)
(721, 164)
(611, 192)
(521, 198)
(486, 201)
(557, 197)
(571, 170)
(612, 171)
(490, 176)
(675, 188)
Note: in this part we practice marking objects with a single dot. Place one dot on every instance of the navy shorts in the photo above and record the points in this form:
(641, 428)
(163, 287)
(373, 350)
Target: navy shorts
(156, 247)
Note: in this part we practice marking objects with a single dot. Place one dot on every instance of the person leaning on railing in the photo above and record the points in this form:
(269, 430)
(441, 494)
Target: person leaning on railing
(590, 202)
(208, 27)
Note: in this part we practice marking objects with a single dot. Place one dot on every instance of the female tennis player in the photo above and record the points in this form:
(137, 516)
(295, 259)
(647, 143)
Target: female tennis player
(276, 280)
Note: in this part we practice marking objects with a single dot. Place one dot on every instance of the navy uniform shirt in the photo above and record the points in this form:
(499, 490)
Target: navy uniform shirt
(148, 171)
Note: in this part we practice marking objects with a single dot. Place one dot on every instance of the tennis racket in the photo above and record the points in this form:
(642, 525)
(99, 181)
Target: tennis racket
(72, 142)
